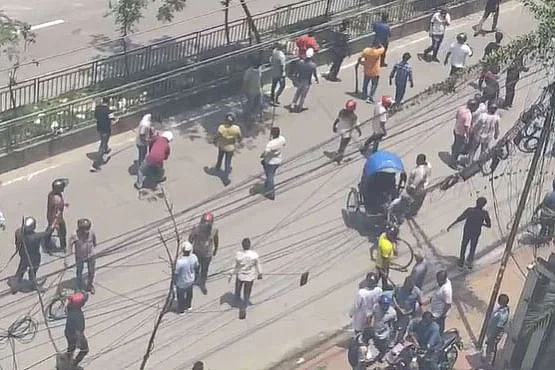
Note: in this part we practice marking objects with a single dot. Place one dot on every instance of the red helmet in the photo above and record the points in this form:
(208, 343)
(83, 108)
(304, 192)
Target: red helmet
(387, 101)
(208, 217)
(351, 105)
(76, 300)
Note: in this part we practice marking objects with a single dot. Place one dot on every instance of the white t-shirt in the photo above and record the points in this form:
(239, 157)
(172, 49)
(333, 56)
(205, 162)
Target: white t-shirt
(442, 297)
(272, 153)
(486, 127)
(144, 130)
(379, 119)
(364, 306)
(459, 53)
(346, 124)
(247, 265)
(438, 23)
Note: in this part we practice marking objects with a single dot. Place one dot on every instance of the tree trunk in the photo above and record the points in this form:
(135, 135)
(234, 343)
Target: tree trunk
(124, 45)
(252, 26)
(11, 85)
(226, 21)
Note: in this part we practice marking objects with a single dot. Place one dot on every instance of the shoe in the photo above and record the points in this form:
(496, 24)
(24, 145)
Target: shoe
(370, 100)
(270, 196)
(469, 266)
(107, 159)
(91, 289)
(94, 169)
(108, 151)
(435, 59)
(203, 290)
(162, 179)
(226, 182)
(137, 186)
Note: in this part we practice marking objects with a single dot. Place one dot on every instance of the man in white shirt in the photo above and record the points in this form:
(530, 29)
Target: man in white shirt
(366, 298)
(246, 268)
(440, 20)
(144, 137)
(378, 124)
(458, 51)
(346, 122)
(485, 131)
(441, 300)
(277, 60)
(186, 269)
(271, 160)
(418, 181)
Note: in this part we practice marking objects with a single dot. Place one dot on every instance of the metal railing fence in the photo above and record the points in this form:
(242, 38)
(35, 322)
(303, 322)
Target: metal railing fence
(186, 49)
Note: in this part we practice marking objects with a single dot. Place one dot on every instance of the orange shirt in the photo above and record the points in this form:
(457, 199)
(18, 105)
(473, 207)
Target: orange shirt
(371, 61)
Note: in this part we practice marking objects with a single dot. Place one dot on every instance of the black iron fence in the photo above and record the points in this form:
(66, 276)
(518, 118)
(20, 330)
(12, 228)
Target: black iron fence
(184, 81)
(163, 56)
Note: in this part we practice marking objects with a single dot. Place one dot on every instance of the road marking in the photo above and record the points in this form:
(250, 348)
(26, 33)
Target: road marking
(47, 24)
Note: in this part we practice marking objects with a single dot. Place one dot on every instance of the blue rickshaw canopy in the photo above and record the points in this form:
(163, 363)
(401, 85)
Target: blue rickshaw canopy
(382, 161)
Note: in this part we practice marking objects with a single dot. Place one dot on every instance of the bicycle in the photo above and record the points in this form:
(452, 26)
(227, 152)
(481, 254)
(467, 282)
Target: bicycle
(403, 259)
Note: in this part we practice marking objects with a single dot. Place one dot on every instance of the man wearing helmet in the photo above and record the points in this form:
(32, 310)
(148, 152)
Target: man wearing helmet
(345, 123)
(153, 165)
(75, 329)
(84, 243)
(382, 319)
(458, 52)
(55, 212)
(378, 123)
(27, 244)
(205, 240)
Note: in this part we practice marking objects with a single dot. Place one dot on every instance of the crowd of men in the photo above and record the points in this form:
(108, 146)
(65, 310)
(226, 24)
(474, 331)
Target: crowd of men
(386, 315)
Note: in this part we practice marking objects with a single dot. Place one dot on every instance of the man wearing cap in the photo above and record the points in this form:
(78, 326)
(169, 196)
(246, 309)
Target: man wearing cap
(367, 297)
(303, 74)
(205, 240)
(186, 270)
(75, 329)
(153, 165)
(246, 268)
(228, 135)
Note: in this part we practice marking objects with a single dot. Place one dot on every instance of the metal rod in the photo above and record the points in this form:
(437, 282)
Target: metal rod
(546, 130)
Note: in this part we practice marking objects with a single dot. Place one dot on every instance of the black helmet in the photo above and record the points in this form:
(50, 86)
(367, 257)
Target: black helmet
(58, 186)
(29, 224)
(84, 224)
(392, 231)
(461, 38)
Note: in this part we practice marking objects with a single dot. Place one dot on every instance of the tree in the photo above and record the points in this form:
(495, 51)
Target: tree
(252, 26)
(15, 39)
(225, 4)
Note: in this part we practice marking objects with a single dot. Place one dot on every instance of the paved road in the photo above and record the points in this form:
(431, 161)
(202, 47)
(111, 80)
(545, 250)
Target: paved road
(65, 25)
(302, 230)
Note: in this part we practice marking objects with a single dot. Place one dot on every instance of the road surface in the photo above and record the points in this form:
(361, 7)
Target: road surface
(302, 230)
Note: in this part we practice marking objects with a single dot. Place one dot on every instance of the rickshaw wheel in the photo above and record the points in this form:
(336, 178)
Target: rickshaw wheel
(353, 201)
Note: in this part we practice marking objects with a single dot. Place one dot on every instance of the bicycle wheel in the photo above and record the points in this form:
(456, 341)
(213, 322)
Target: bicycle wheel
(56, 309)
(451, 358)
(404, 258)
(353, 203)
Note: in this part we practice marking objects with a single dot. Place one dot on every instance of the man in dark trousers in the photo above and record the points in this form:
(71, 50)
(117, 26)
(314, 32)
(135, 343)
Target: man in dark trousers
(339, 50)
(104, 120)
(205, 240)
(55, 206)
(27, 245)
(246, 268)
(475, 218)
(304, 72)
(492, 7)
(75, 329)
(513, 75)
(382, 34)
(402, 72)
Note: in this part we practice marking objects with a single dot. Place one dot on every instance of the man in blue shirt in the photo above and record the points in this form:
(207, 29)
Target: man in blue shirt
(425, 334)
(402, 72)
(186, 270)
(382, 33)
(496, 326)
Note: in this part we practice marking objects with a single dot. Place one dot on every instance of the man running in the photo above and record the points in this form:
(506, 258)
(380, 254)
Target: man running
(439, 21)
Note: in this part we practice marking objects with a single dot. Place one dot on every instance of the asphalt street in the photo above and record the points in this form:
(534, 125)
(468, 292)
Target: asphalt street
(302, 230)
(74, 32)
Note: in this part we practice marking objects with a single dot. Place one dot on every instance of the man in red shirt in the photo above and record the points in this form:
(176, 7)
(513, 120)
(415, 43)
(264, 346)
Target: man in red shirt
(153, 165)
(306, 42)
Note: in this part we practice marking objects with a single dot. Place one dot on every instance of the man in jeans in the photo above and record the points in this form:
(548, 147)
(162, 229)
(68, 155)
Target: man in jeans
(277, 60)
(370, 59)
(271, 159)
(228, 135)
(186, 270)
(104, 120)
(496, 327)
(205, 240)
(462, 130)
(339, 51)
(153, 165)
(440, 20)
(246, 268)
(252, 88)
(305, 70)
(402, 72)
(84, 243)
(441, 300)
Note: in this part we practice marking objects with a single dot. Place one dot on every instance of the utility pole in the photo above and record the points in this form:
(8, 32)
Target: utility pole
(544, 139)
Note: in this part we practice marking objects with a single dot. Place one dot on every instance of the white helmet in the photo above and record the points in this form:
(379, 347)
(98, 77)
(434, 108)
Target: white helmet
(309, 52)
(168, 135)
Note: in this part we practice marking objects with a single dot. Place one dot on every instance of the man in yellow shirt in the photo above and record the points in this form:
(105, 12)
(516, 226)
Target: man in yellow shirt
(228, 135)
(386, 251)
(370, 59)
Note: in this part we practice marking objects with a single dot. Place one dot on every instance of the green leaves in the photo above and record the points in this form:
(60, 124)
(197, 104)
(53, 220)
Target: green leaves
(168, 8)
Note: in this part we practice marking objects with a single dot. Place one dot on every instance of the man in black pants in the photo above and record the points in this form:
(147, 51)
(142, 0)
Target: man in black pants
(247, 269)
(492, 7)
(513, 75)
(475, 217)
(75, 330)
(339, 51)
(205, 240)
(27, 244)
(104, 120)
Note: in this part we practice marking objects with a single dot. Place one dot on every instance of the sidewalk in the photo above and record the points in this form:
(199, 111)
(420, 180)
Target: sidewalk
(467, 318)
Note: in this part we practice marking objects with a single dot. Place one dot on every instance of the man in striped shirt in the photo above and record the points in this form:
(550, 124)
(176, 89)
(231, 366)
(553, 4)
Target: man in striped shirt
(402, 72)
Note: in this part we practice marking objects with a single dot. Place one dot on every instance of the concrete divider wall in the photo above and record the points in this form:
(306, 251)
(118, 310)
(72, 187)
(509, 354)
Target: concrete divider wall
(212, 92)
